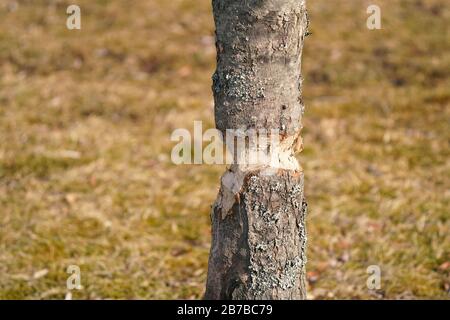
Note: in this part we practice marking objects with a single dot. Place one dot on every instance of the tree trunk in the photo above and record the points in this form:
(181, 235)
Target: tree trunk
(258, 246)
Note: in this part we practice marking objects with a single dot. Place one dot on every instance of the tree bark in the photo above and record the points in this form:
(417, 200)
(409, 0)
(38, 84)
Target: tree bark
(258, 246)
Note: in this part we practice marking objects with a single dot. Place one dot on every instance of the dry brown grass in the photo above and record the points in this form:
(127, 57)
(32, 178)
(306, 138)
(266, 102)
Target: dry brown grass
(85, 170)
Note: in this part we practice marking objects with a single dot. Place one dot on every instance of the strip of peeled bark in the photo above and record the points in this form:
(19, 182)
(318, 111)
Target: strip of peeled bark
(258, 220)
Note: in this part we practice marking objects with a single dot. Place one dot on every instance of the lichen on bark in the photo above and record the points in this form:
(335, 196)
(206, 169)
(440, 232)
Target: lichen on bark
(258, 246)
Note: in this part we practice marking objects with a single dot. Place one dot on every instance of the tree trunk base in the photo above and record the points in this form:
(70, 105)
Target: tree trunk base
(258, 237)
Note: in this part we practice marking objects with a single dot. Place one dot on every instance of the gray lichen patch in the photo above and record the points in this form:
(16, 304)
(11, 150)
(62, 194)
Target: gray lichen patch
(277, 251)
(266, 279)
(236, 85)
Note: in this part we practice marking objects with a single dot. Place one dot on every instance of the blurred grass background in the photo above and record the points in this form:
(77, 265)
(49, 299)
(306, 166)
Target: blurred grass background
(85, 170)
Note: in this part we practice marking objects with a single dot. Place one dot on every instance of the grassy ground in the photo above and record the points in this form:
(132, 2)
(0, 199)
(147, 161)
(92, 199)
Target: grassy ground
(85, 170)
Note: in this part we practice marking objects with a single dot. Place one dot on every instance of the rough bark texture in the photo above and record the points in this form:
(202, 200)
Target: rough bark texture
(258, 221)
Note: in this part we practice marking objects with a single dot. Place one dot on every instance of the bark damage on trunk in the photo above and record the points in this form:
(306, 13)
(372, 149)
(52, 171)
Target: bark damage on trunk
(258, 246)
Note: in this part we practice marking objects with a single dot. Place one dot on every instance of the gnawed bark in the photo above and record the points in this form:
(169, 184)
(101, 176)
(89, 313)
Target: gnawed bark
(258, 221)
